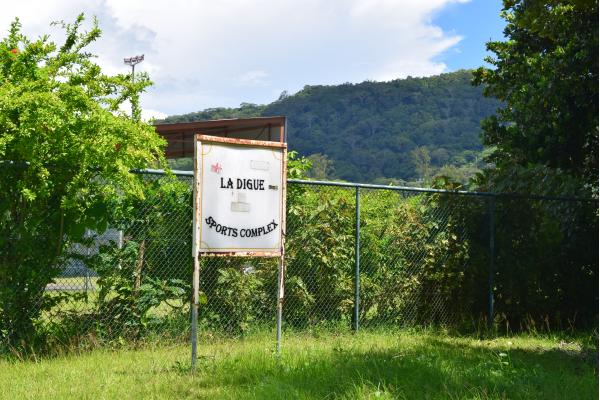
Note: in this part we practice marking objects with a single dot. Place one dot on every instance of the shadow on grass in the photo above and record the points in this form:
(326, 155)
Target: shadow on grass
(435, 368)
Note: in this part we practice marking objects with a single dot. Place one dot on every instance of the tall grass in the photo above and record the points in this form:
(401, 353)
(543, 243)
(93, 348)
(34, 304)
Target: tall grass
(386, 365)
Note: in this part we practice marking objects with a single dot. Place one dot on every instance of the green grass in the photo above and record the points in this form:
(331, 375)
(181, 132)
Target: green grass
(384, 365)
(75, 286)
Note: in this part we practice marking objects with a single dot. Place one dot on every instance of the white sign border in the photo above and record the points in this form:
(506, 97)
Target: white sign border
(199, 139)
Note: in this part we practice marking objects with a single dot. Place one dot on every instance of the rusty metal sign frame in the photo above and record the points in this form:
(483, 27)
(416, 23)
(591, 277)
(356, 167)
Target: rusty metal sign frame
(197, 195)
(195, 233)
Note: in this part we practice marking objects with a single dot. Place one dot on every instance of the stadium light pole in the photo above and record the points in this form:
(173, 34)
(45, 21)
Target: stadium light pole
(133, 61)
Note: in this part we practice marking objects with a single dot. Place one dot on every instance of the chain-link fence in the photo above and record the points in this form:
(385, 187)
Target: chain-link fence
(357, 256)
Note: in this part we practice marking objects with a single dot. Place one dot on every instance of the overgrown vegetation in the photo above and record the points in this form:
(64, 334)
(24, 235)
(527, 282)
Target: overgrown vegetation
(426, 258)
(424, 261)
(545, 141)
(322, 364)
(545, 136)
(65, 153)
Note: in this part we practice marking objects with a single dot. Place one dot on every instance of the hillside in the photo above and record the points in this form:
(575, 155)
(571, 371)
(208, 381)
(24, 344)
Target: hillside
(403, 129)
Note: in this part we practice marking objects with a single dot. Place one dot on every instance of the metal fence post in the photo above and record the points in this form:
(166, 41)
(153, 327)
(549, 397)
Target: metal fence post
(491, 271)
(280, 275)
(357, 262)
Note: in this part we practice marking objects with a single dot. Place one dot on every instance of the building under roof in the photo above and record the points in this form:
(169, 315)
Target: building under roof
(180, 136)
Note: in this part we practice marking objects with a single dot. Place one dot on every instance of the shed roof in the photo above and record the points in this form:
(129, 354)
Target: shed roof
(180, 136)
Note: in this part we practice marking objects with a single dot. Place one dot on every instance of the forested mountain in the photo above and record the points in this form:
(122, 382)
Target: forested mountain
(372, 131)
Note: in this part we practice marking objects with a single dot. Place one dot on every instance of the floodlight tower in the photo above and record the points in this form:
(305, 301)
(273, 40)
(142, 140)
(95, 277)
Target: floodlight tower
(133, 61)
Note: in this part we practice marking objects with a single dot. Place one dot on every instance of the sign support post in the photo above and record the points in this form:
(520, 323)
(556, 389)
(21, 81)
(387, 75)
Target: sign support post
(195, 302)
(279, 303)
(196, 273)
(281, 269)
(239, 208)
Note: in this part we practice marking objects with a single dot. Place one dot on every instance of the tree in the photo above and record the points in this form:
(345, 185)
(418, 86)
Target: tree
(546, 142)
(368, 129)
(322, 167)
(422, 161)
(440, 156)
(65, 153)
(546, 75)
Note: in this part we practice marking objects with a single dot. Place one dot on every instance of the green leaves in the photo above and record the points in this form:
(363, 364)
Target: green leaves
(546, 72)
(546, 143)
(58, 132)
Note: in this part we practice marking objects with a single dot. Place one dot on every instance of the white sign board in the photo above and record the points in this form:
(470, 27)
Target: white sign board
(240, 195)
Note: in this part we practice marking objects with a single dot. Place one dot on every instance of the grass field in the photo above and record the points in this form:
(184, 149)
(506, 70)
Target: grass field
(378, 365)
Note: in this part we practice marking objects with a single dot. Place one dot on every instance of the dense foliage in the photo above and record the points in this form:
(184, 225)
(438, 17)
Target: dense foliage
(369, 130)
(546, 75)
(545, 141)
(425, 260)
(65, 153)
(143, 271)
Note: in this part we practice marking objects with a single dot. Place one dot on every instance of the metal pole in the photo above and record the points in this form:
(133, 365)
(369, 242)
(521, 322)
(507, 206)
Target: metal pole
(357, 262)
(279, 302)
(132, 83)
(133, 61)
(196, 273)
(281, 277)
(194, 332)
(492, 223)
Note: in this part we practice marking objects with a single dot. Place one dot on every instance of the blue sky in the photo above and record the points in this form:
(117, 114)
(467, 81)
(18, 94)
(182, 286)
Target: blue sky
(478, 22)
(212, 53)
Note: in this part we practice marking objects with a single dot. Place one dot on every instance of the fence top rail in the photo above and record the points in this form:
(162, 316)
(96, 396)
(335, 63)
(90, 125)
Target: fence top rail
(440, 191)
(395, 188)
(150, 171)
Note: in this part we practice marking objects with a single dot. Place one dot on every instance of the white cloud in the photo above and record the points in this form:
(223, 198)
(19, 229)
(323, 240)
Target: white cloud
(252, 78)
(148, 114)
(208, 53)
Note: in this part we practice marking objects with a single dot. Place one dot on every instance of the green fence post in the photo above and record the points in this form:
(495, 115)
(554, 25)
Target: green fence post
(492, 227)
(357, 262)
